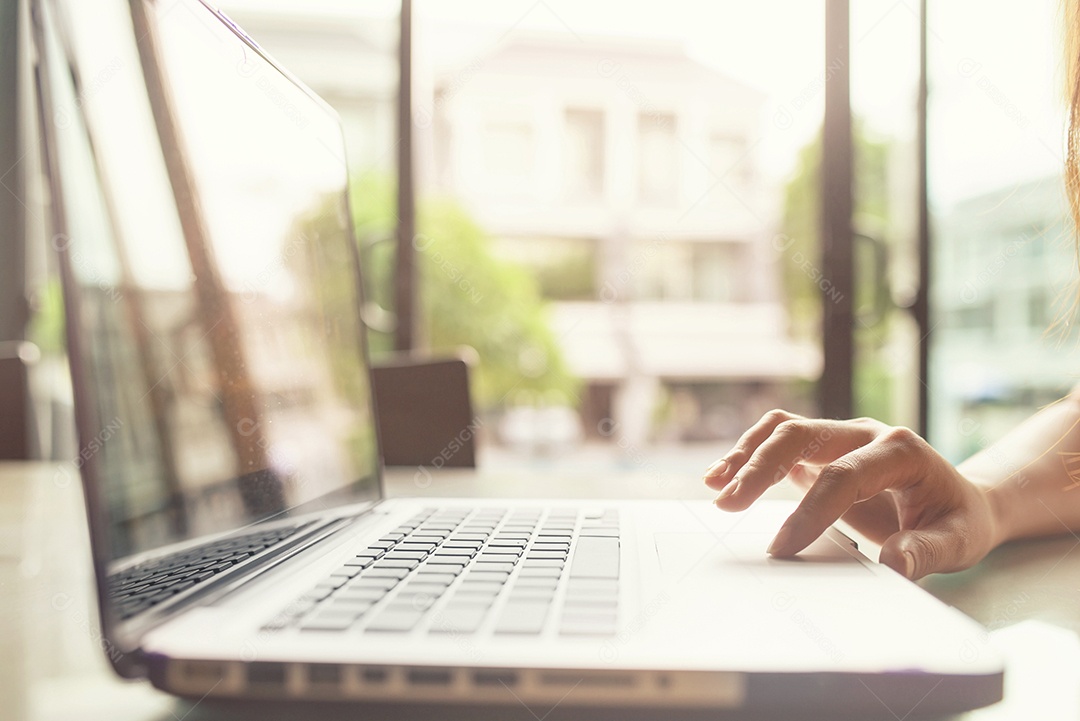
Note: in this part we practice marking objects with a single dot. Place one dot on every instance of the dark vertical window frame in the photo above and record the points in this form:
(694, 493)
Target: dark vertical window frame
(920, 308)
(836, 387)
(13, 296)
(405, 275)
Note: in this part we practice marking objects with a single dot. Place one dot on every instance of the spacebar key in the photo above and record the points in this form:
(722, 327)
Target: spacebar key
(595, 557)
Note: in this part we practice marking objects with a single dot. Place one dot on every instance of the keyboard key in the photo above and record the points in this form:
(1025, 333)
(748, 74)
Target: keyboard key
(399, 555)
(579, 623)
(485, 572)
(587, 603)
(527, 594)
(437, 560)
(427, 536)
(543, 563)
(360, 561)
(595, 557)
(317, 594)
(462, 543)
(323, 621)
(384, 582)
(546, 571)
(385, 572)
(406, 563)
(349, 603)
(546, 555)
(347, 571)
(458, 619)
(415, 546)
(361, 593)
(522, 618)
(451, 568)
(479, 587)
(441, 578)
(600, 531)
(537, 581)
(395, 619)
(459, 552)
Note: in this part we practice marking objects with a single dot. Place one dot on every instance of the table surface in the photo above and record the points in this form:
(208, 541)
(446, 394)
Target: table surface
(52, 666)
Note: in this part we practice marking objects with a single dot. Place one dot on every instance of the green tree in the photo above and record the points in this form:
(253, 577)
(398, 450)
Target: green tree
(469, 297)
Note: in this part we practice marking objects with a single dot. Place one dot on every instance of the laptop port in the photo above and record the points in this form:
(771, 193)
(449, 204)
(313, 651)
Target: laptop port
(205, 672)
(265, 674)
(374, 675)
(429, 677)
(324, 674)
(595, 680)
(495, 678)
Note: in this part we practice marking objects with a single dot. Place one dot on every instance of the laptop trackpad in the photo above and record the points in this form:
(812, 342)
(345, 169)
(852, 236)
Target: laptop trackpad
(699, 552)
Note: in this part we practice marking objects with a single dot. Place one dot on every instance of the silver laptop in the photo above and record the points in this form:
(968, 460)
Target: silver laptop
(242, 543)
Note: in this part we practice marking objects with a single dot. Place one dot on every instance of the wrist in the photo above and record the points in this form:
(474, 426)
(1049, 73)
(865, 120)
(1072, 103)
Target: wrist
(1000, 497)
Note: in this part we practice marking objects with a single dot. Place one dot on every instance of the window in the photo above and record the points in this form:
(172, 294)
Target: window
(658, 169)
(508, 155)
(729, 161)
(584, 149)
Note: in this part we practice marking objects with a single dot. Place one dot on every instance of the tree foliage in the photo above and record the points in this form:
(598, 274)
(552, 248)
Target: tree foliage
(468, 297)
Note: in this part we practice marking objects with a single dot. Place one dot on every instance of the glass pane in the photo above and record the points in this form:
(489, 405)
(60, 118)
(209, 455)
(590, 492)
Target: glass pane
(638, 175)
(1004, 257)
(884, 86)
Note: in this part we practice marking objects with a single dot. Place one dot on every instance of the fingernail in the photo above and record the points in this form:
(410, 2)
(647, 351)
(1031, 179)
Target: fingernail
(716, 469)
(729, 490)
(780, 542)
(909, 564)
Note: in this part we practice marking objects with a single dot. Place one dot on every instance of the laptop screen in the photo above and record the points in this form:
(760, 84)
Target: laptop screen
(216, 335)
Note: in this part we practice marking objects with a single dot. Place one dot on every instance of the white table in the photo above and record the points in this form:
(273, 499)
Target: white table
(52, 667)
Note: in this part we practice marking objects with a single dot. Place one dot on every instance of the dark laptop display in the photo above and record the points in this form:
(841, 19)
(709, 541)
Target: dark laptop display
(215, 317)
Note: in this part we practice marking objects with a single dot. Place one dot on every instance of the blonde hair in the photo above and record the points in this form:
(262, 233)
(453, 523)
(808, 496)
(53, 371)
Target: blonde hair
(1071, 19)
(1071, 16)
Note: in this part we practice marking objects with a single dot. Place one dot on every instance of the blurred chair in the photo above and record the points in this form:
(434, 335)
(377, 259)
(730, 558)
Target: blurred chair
(425, 414)
(18, 439)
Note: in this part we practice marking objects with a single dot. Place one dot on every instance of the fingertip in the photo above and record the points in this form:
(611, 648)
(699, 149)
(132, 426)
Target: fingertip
(716, 470)
(901, 561)
(726, 497)
(781, 545)
(714, 482)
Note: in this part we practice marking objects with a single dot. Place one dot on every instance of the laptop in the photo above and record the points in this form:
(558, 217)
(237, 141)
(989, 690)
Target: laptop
(242, 542)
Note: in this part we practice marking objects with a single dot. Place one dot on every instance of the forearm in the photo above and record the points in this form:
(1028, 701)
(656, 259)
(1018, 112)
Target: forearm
(1031, 477)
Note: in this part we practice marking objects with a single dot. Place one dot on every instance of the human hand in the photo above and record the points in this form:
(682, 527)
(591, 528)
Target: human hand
(885, 481)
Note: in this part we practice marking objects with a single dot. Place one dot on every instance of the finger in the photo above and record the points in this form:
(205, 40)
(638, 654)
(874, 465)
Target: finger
(892, 460)
(876, 518)
(793, 442)
(938, 548)
(720, 473)
(803, 475)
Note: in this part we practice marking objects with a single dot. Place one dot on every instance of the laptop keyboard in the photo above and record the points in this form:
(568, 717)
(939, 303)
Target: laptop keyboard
(467, 571)
(141, 587)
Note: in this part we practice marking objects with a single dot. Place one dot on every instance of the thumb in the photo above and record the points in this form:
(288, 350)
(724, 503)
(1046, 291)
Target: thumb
(917, 553)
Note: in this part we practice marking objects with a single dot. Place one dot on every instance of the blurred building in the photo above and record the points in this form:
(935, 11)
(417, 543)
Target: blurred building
(1005, 268)
(343, 52)
(622, 173)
